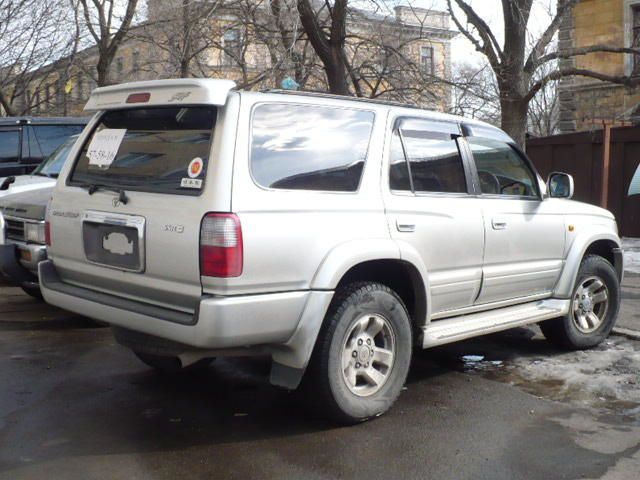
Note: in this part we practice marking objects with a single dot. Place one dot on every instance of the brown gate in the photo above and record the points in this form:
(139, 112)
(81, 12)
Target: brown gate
(581, 155)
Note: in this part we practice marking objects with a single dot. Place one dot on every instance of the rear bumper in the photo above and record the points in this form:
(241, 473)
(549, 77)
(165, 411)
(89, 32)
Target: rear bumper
(218, 323)
(21, 268)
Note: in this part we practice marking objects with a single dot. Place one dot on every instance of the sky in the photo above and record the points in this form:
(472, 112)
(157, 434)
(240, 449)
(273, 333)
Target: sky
(491, 12)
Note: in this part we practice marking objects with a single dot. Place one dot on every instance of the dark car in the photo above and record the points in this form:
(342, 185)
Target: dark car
(26, 141)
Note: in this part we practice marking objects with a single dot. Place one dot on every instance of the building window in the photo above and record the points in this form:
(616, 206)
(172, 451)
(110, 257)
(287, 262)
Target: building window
(426, 60)
(136, 60)
(119, 65)
(80, 89)
(232, 47)
(635, 42)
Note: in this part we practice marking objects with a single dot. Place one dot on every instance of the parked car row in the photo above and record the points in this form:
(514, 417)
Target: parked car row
(22, 206)
(26, 141)
(332, 234)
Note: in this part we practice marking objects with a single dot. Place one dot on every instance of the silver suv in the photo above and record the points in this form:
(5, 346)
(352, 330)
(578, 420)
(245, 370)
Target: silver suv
(331, 234)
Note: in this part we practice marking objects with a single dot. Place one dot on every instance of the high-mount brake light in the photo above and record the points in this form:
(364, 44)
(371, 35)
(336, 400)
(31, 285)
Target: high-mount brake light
(221, 253)
(138, 98)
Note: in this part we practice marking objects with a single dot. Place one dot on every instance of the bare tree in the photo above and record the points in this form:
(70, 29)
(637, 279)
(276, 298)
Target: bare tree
(181, 39)
(475, 93)
(108, 30)
(33, 34)
(517, 63)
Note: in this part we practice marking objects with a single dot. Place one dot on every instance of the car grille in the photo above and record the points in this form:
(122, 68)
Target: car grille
(14, 229)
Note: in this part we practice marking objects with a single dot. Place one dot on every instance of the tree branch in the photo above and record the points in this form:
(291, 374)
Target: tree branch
(580, 72)
(534, 60)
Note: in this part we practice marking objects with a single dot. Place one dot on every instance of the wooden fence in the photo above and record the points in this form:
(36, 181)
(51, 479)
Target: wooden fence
(602, 170)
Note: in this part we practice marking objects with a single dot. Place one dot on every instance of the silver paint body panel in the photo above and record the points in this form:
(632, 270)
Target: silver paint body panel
(299, 244)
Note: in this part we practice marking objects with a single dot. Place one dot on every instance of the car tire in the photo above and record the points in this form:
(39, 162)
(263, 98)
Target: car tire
(594, 307)
(171, 365)
(362, 355)
(34, 292)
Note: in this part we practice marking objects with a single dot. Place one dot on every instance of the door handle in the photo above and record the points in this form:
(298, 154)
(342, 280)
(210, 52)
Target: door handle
(405, 226)
(499, 223)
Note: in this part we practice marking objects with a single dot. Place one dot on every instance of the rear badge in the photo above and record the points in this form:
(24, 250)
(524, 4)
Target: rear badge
(191, 183)
(195, 167)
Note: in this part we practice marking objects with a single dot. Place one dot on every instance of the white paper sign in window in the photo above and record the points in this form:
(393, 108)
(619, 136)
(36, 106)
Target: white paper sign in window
(104, 146)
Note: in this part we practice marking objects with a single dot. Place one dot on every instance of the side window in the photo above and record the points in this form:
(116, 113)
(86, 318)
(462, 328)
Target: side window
(502, 171)
(303, 147)
(398, 168)
(433, 161)
(9, 146)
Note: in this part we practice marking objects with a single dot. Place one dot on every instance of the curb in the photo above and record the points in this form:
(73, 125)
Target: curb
(626, 332)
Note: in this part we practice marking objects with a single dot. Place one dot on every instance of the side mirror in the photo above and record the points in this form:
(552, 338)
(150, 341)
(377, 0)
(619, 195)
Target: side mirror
(560, 185)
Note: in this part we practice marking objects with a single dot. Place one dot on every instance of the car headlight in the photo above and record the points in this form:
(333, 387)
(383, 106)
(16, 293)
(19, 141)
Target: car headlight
(34, 233)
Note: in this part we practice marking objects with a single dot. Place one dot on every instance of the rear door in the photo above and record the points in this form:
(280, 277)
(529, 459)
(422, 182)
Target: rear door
(430, 205)
(127, 220)
(524, 235)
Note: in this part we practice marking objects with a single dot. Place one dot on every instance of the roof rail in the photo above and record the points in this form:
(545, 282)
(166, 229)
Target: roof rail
(321, 94)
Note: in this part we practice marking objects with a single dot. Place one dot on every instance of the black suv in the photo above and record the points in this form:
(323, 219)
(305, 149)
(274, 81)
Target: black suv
(26, 141)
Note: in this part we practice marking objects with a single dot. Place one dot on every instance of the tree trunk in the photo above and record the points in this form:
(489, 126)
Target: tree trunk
(329, 49)
(102, 69)
(336, 72)
(514, 119)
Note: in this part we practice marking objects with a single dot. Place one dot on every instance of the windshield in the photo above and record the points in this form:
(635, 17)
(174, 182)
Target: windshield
(148, 149)
(53, 164)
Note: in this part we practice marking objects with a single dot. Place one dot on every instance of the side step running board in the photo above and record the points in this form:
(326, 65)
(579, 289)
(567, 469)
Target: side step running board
(453, 329)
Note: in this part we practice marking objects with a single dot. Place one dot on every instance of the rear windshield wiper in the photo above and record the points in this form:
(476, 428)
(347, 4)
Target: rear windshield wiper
(94, 187)
(41, 174)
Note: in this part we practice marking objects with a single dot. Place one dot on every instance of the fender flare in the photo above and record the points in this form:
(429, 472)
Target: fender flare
(566, 282)
(347, 255)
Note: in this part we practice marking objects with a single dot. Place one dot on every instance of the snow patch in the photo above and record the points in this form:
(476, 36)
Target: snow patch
(631, 248)
(604, 377)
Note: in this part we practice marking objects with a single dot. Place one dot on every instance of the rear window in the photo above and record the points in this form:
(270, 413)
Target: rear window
(306, 147)
(43, 140)
(148, 149)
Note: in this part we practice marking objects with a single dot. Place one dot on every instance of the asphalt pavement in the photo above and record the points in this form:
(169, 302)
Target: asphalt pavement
(75, 405)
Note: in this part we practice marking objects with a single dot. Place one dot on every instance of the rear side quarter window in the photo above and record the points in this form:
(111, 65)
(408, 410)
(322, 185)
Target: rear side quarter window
(308, 147)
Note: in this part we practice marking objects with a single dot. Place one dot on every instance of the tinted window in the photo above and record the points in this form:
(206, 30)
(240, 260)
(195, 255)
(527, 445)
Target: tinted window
(398, 169)
(161, 150)
(44, 139)
(303, 147)
(501, 169)
(435, 163)
(9, 146)
(53, 164)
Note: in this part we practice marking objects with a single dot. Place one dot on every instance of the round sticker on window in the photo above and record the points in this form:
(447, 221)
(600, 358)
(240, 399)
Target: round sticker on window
(195, 167)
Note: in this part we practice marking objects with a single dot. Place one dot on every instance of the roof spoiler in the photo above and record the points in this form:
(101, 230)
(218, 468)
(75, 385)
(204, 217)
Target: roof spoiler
(184, 91)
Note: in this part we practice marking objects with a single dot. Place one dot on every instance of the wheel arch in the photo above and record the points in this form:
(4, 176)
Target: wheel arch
(400, 276)
(394, 264)
(604, 244)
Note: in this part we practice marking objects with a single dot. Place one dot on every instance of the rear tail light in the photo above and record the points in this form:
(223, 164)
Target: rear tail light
(221, 245)
(47, 233)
